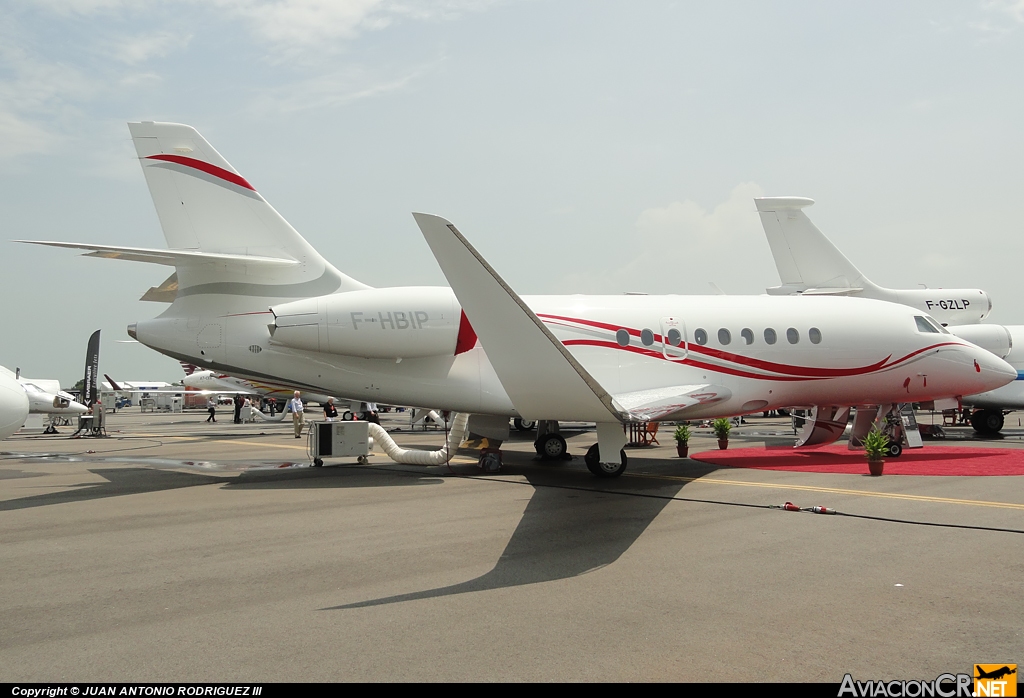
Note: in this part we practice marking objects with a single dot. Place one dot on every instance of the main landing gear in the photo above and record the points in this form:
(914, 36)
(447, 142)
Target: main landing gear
(524, 424)
(595, 466)
(551, 447)
(987, 422)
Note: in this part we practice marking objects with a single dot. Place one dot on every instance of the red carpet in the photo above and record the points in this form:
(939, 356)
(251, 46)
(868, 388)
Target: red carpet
(930, 460)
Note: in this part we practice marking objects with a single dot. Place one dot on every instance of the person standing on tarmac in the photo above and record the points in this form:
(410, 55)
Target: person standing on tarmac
(295, 405)
(211, 407)
(238, 408)
(330, 411)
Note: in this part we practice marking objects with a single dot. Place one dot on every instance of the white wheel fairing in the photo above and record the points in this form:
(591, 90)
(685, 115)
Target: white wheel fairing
(13, 406)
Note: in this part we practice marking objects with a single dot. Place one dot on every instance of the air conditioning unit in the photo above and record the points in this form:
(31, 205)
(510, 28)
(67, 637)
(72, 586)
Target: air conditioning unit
(340, 440)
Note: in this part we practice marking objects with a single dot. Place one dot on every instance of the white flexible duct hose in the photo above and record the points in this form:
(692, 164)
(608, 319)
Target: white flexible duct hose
(413, 457)
(276, 418)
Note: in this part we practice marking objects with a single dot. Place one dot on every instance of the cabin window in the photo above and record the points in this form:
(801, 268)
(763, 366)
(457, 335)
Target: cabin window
(748, 335)
(924, 326)
(724, 337)
(675, 338)
(814, 334)
(700, 336)
(770, 336)
(646, 337)
(622, 337)
(792, 335)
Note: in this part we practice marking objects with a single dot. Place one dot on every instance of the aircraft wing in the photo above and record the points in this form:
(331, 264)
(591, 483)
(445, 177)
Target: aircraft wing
(539, 374)
(672, 402)
(169, 258)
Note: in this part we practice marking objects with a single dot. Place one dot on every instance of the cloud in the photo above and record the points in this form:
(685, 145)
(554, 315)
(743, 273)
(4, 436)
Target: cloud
(18, 136)
(1011, 8)
(688, 223)
(133, 50)
(334, 89)
(682, 246)
(34, 95)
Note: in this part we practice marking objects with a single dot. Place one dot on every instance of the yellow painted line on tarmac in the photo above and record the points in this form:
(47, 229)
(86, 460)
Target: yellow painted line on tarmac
(300, 446)
(838, 490)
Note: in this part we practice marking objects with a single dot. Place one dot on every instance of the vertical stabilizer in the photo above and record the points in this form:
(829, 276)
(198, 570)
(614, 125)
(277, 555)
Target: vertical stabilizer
(204, 204)
(805, 258)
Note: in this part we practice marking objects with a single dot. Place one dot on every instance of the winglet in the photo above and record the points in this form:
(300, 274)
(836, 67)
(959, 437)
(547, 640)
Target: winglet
(539, 374)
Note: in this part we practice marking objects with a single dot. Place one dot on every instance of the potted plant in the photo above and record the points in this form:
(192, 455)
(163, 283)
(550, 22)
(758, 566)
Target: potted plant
(682, 434)
(722, 426)
(876, 445)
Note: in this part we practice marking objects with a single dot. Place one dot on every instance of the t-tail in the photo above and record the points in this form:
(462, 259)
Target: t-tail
(229, 247)
(807, 261)
(809, 264)
(205, 205)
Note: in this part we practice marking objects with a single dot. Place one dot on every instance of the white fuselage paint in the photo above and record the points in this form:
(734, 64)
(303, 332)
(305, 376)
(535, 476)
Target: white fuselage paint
(870, 352)
(223, 383)
(13, 405)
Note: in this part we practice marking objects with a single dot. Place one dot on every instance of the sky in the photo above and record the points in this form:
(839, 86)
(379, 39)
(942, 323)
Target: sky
(583, 146)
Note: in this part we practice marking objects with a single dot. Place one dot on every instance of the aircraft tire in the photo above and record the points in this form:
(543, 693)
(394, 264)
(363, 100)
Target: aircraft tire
(551, 447)
(318, 463)
(895, 449)
(524, 424)
(987, 422)
(596, 467)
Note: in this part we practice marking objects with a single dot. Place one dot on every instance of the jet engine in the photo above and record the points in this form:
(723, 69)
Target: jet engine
(381, 323)
(994, 338)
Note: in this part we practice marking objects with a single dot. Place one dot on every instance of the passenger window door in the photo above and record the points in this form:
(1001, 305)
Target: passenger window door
(673, 338)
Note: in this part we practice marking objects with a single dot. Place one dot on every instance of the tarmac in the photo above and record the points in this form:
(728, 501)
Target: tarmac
(180, 551)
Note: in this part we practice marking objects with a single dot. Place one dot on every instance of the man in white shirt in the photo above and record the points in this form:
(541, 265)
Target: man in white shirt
(295, 405)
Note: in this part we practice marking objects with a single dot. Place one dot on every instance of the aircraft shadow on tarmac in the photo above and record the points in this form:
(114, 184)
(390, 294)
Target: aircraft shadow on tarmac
(119, 482)
(573, 524)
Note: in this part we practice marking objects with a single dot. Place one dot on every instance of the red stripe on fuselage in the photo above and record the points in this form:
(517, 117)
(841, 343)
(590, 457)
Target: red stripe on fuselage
(689, 362)
(206, 167)
(785, 369)
(467, 335)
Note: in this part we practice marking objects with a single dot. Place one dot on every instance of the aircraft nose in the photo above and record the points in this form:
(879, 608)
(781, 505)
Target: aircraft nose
(992, 369)
(77, 408)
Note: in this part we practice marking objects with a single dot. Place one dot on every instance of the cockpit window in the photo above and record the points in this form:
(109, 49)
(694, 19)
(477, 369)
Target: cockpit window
(923, 325)
(937, 325)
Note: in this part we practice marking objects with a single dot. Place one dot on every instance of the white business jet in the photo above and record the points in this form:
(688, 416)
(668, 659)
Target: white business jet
(255, 300)
(809, 264)
(13, 404)
(46, 397)
(216, 382)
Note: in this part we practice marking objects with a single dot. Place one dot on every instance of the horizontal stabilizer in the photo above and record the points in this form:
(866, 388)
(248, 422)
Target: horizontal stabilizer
(670, 402)
(171, 258)
(165, 292)
(539, 374)
(791, 290)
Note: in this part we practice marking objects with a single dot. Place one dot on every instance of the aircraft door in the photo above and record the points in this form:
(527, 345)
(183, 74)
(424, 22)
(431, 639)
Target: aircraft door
(673, 338)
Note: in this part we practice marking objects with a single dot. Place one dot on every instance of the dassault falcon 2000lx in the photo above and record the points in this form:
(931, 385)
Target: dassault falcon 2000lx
(809, 264)
(255, 300)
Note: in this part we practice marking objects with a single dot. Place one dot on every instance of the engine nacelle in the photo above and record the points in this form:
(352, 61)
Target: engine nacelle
(380, 323)
(950, 306)
(994, 338)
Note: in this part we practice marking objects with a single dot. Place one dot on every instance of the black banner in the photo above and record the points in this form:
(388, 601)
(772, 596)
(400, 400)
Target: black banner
(92, 368)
